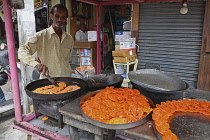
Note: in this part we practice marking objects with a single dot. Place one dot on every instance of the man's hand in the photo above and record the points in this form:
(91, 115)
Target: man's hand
(42, 69)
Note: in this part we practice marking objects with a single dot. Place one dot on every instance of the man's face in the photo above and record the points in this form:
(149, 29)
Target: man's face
(59, 18)
(83, 27)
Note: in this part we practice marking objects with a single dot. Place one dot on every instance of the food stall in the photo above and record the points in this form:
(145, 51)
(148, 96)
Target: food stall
(72, 114)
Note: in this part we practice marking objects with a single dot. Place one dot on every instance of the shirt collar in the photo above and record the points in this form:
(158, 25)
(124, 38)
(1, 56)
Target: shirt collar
(52, 31)
(82, 31)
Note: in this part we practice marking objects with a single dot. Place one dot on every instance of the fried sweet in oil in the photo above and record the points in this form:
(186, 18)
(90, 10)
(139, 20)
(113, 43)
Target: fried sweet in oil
(117, 105)
(51, 89)
(163, 111)
(116, 121)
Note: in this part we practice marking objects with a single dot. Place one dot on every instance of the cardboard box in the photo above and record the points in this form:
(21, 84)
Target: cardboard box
(124, 53)
(122, 34)
(92, 36)
(127, 43)
(125, 59)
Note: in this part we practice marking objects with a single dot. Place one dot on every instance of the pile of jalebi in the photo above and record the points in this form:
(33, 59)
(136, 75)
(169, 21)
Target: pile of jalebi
(117, 105)
(51, 89)
(165, 110)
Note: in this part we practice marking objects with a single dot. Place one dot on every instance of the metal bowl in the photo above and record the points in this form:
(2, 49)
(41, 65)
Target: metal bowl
(62, 96)
(101, 81)
(156, 80)
(113, 126)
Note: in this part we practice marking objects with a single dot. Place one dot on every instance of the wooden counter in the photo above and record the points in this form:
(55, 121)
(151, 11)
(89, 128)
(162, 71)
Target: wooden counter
(72, 116)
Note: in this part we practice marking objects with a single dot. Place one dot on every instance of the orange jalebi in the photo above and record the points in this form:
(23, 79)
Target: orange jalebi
(117, 105)
(51, 89)
(165, 110)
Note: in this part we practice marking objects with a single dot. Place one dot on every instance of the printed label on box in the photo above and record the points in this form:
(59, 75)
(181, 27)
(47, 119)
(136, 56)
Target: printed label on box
(82, 52)
(124, 34)
(127, 43)
(92, 36)
(86, 52)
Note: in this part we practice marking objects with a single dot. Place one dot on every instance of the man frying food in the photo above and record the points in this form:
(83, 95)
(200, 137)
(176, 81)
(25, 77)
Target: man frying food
(53, 46)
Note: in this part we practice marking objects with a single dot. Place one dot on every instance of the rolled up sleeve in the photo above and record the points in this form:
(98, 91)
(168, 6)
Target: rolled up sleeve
(25, 52)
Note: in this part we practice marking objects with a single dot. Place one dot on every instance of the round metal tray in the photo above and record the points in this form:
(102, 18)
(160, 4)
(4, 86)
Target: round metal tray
(113, 126)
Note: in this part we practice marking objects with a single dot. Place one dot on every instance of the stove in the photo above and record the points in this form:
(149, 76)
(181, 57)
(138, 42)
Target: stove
(51, 108)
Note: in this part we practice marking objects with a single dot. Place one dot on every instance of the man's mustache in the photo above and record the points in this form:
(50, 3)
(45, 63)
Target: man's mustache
(59, 22)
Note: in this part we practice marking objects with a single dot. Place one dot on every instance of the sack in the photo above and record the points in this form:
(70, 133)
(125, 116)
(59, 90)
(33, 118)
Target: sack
(3, 78)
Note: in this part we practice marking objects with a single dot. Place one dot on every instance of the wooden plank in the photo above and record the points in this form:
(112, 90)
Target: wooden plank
(204, 67)
(207, 30)
(135, 17)
(25, 81)
(83, 125)
(135, 22)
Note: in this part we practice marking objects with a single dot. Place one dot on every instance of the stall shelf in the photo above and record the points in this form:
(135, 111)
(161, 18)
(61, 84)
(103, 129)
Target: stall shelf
(84, 54)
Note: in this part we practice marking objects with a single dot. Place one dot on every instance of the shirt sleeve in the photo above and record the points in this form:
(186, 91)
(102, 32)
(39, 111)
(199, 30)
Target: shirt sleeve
(25, 52)
(77, 36)
(72, 47)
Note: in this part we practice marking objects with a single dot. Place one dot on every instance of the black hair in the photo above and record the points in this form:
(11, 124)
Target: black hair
(59, 6)
(84, 25)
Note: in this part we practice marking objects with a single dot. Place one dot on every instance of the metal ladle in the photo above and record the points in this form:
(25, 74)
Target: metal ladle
(90, 81)
(51, 80)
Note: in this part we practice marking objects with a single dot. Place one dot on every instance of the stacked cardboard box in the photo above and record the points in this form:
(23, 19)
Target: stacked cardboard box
(124, 56)
(127, 43)
(118, 36)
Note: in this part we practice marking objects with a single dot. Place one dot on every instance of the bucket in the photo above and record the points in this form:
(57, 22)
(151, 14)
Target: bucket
(85, 70)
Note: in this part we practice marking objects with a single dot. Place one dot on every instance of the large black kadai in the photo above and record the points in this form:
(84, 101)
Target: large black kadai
(161, 86)
(49, 104)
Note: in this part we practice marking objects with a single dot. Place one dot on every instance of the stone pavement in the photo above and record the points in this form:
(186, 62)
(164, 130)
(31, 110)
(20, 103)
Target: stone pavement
(7, 118)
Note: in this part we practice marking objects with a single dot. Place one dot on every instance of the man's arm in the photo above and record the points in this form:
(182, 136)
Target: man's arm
(25, 54)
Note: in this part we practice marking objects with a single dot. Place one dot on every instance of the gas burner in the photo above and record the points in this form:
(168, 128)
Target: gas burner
(51, 108)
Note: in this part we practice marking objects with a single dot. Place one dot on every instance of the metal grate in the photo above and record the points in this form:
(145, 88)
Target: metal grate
(170, 39)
